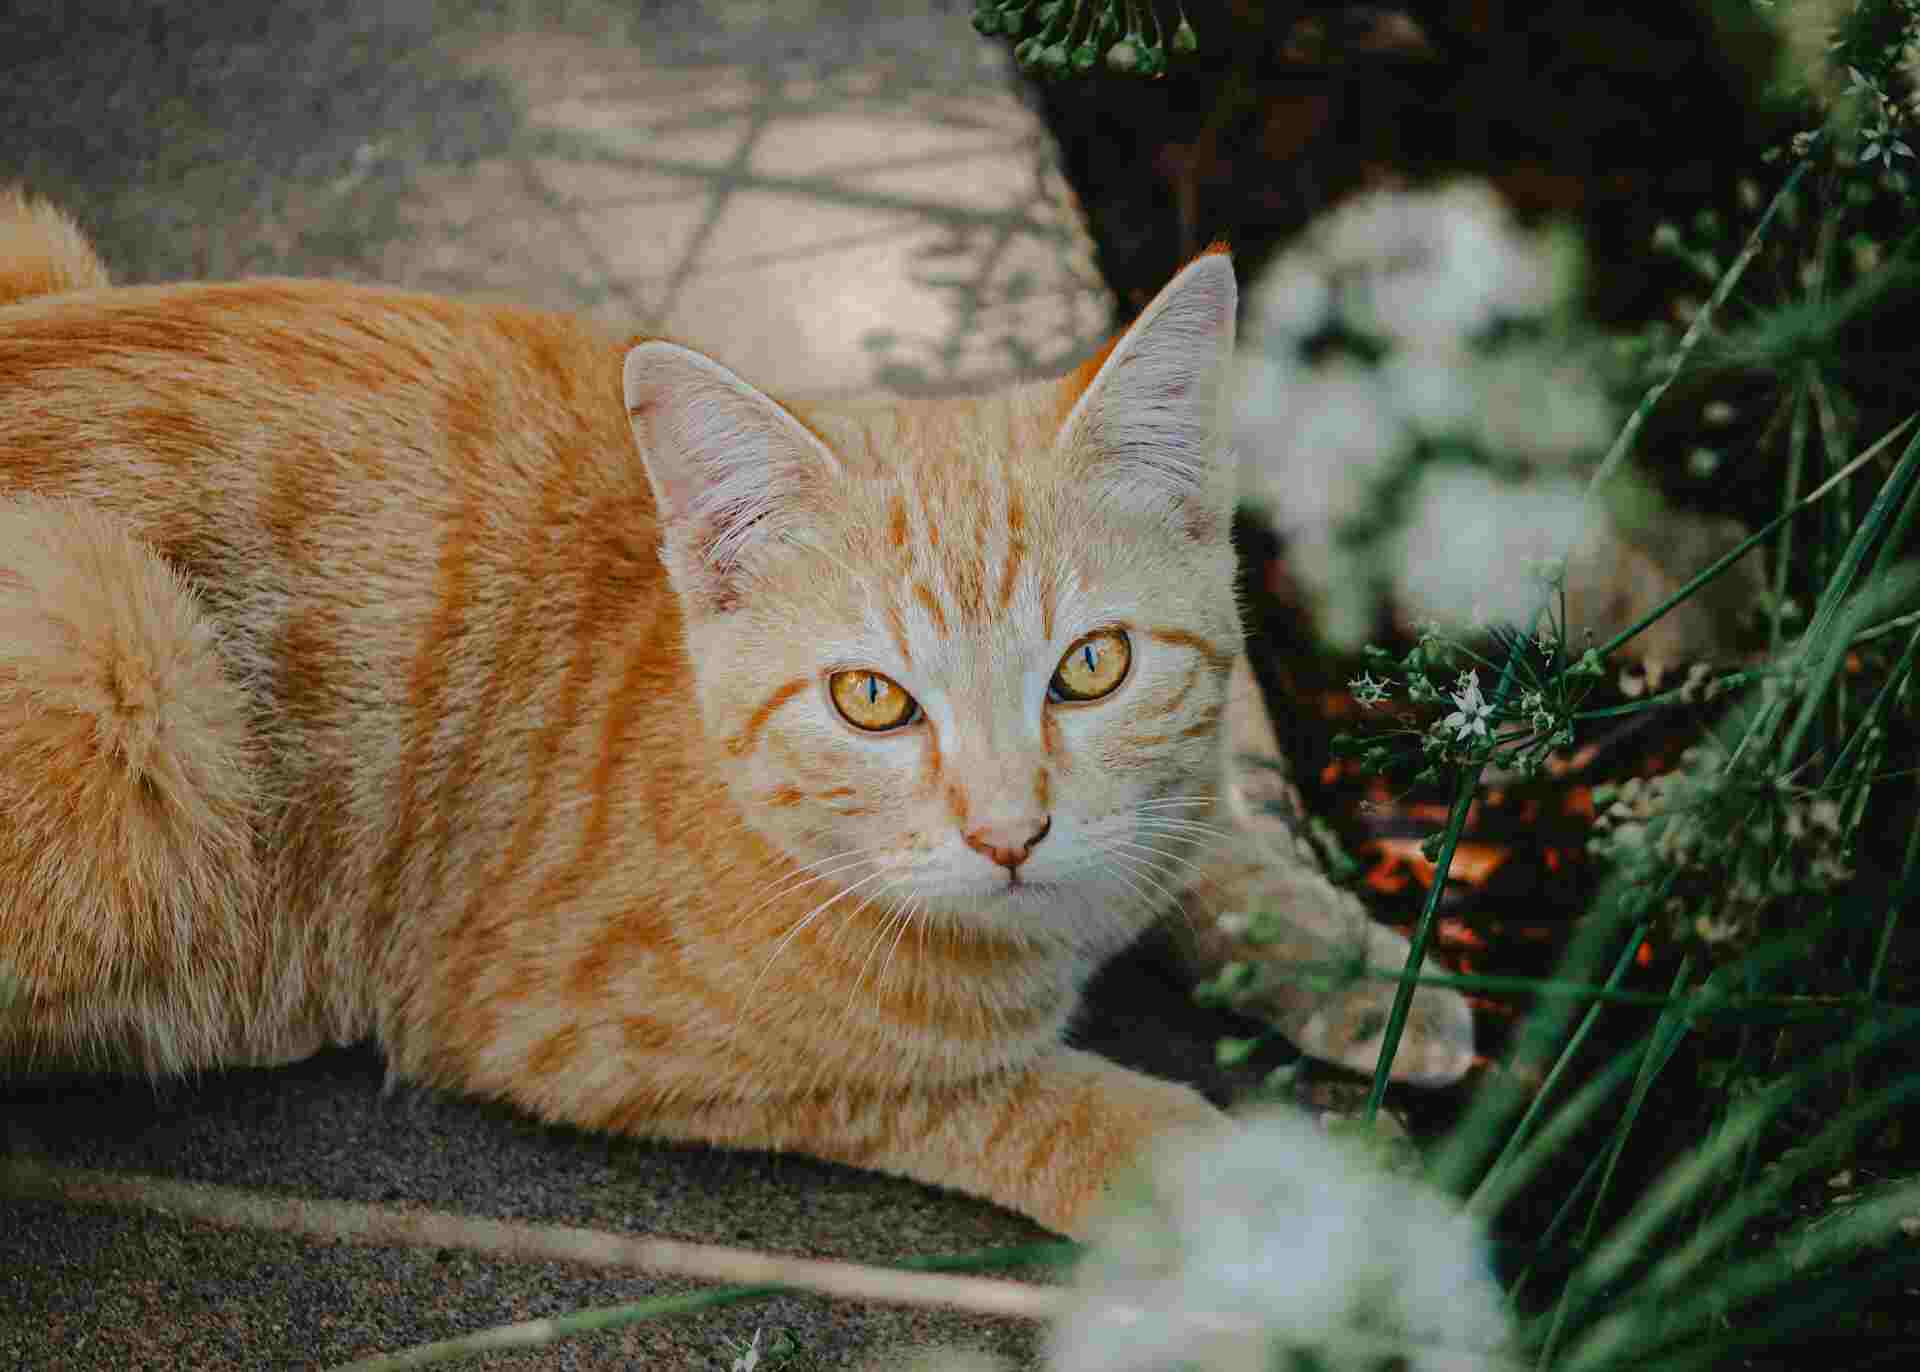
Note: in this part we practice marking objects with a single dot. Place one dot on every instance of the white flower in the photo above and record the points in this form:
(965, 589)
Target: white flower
(1311, 439)
(1290, 303)
(1436, 266)
(1469, 719)
(1431, 389)
(1426, 275)
(1544, 406)
(1471, 536)
(1368, 691)
(1271, 1240)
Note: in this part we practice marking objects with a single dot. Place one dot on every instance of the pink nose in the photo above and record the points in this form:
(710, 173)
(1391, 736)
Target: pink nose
(1008, 844)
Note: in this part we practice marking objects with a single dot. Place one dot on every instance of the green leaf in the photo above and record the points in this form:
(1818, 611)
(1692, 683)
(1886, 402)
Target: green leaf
(1232, 1052)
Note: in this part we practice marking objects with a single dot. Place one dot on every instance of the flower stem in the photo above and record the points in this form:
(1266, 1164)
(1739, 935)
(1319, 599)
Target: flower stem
(1422, 935)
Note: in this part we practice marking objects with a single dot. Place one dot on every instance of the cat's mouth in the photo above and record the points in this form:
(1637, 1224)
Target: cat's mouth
(1026, 891)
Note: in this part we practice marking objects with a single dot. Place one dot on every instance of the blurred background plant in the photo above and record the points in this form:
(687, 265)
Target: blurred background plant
(1698, 1139)
(1061, 38)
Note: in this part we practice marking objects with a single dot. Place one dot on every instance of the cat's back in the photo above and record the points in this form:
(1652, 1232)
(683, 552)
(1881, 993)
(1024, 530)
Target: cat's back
(426, 552)
(291, 443)
(316, 382)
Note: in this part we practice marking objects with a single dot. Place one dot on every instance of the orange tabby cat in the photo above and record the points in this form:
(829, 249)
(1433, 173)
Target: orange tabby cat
(694, 766)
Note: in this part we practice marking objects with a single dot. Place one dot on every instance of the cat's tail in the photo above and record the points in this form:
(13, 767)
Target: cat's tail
(42, 251)
(129, 784)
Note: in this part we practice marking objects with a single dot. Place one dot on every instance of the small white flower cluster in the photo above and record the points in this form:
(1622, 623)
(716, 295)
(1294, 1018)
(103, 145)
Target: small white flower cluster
(1276, 1245)
(1474, 412)
(1728, 849)
(1471, 710)
(1882, 121)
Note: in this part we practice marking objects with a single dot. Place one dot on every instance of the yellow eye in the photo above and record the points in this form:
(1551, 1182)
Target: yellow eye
(869, 701)
(1093, 667)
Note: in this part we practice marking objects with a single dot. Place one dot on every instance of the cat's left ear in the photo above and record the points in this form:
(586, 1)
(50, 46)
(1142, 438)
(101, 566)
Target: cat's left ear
(730, 466)
(1148, 413)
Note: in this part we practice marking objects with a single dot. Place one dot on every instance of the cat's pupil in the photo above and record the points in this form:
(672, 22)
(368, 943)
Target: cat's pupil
(873, 689)
(1088, 653)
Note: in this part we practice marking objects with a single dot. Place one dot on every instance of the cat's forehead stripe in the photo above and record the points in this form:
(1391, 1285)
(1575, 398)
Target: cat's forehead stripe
(1218, 658)
(928, 601)
(743, 742)
(1016, 546)
(897, 626)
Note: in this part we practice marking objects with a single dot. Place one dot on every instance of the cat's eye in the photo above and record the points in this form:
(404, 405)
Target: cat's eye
(1092, 667)
(869, 701)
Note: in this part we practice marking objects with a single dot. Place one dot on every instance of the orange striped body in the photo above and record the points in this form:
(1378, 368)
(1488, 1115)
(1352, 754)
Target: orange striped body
(373, 664)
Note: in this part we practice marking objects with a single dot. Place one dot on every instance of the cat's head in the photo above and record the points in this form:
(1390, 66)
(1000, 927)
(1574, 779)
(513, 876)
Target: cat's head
(967, 657)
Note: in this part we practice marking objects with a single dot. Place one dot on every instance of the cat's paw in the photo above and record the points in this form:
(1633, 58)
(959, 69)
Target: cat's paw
(1311, 963)
(1344, 1019)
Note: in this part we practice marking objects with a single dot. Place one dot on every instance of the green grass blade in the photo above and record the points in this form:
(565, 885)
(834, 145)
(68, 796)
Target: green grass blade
(1422, 936)
(1522, 1131)
(1626, 1337)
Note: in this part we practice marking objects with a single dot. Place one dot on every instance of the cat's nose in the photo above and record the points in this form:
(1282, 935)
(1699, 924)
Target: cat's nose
(1008, 844)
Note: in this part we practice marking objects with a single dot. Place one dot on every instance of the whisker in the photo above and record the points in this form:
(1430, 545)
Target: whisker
(823, 869)
(1185, 831)
(908, 914)
(1194, 825)
(912, 909)
(1139, 892)
(1160, 853)
(1141, 868)
(1169, 900)
(896, 916)
(803, 922)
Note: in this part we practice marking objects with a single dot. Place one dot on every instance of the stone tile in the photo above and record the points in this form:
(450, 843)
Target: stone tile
(662, 96)
(756, 226)
(633, 311)
(456, 197)
(995, 179)
(608, 126)
(841, 142)
(646, 240)
(591, 183)
(467, 226)
(802, 325)
(997, 109)
(1028, 264)
(546, 67)
(1048, 323)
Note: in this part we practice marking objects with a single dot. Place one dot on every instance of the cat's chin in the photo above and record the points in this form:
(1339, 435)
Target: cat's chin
(1094, 916)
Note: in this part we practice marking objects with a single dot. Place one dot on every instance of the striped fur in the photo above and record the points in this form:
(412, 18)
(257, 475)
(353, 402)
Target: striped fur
(369, 668)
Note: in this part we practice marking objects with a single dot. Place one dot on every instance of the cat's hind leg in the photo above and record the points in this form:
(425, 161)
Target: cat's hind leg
(129, 912)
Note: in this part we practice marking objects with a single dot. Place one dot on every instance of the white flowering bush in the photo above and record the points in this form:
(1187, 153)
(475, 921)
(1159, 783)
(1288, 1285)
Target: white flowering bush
(1415, 407)
(1278, 1245)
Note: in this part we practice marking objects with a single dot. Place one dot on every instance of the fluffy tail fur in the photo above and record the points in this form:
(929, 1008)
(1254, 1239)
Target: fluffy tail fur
(42, 251)
(129, 913)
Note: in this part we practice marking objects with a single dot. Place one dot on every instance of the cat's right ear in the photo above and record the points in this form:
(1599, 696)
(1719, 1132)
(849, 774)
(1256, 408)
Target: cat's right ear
(729, 466)
(1147, 411)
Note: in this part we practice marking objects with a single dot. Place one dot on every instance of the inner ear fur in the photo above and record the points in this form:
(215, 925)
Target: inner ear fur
(729, 465)
(1147, 413)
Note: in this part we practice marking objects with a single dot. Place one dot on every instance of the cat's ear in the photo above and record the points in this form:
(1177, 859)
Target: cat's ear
(1147, 412)
(729, 465)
